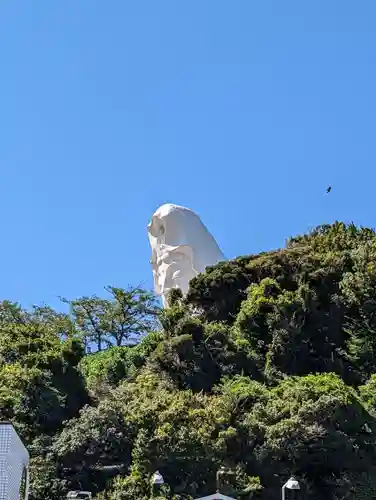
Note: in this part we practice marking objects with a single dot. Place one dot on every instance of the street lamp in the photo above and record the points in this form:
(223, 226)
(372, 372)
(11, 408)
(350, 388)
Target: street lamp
(225, 480)
(220, 473)
(292, 484)
(157, 483)
(157, 478)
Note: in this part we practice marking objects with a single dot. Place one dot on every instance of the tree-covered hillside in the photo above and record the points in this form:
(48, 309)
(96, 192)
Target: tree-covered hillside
(267, 368)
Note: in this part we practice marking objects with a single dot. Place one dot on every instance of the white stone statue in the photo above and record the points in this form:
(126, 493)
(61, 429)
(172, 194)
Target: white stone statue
(181, 247)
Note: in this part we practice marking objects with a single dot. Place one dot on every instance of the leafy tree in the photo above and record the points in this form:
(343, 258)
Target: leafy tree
(119, 320)
(266, 368)
(39, 378)
(106, 369)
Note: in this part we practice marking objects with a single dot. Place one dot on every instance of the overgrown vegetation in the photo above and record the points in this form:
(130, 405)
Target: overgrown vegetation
(267, 368)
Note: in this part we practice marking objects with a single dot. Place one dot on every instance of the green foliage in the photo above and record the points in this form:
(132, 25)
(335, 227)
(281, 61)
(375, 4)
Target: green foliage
(368, 393)
(105, 369)
(41, 386)
(198, 355)
(266, 368)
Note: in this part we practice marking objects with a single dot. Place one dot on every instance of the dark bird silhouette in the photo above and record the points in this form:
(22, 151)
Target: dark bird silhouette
(329, 189)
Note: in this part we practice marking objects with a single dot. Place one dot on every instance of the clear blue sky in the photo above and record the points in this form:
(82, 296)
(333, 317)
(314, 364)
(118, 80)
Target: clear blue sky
(243, 111)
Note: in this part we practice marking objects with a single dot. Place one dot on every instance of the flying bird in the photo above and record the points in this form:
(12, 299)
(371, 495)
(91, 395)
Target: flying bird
(328, 189)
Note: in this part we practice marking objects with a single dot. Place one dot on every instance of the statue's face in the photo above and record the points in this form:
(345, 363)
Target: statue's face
(173, 268)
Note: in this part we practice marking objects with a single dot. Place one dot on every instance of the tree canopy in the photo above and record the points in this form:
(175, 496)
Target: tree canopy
(266, 368)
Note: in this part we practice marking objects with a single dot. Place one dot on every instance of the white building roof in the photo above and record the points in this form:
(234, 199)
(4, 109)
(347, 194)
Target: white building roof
(216, 496)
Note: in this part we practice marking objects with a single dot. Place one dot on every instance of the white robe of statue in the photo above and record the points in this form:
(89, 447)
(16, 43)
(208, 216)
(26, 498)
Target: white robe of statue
(181, 247)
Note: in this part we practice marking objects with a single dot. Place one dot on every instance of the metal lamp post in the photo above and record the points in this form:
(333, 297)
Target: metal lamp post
(220, 473)
(291, 484)
(225, 480)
